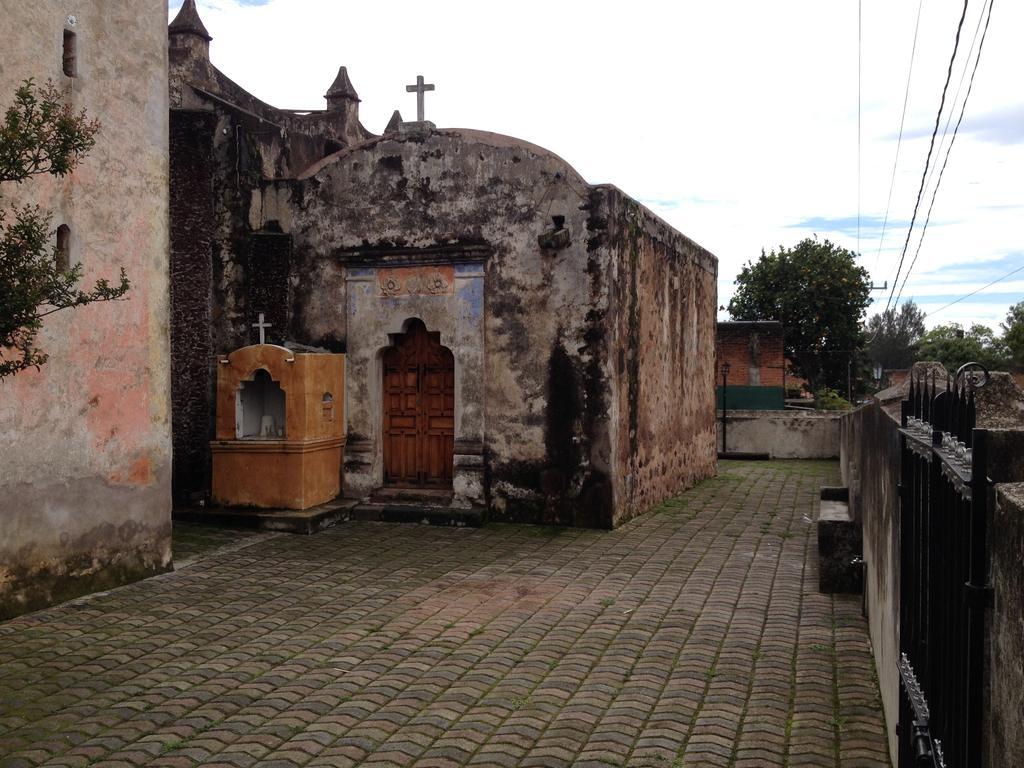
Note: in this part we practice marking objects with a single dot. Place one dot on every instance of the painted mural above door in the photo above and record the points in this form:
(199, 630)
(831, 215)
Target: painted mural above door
(416, 281)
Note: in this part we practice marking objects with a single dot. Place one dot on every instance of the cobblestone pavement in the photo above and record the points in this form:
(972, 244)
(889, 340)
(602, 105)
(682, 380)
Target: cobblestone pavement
(193, 541)
(694, 635)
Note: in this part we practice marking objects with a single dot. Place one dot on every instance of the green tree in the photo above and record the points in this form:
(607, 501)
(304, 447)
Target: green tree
(952, 346)
(819, 294)
(1013, 334)
(40, 134)
(893, 336)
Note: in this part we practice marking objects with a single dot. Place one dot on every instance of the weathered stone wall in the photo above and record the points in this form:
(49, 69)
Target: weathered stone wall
(214, 167)
(230, 234)
(464, 198)
(660, 348)
(85, 441)
(192, 356)
(280, 143)
(782, 434)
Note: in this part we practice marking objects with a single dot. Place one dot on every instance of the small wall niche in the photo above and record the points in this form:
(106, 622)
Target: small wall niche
(260, 410)
(62, 258)
(69, 60)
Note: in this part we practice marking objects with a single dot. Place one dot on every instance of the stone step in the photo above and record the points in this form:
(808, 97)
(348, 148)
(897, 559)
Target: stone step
(304, 521)
(744, 455)
(392, 512)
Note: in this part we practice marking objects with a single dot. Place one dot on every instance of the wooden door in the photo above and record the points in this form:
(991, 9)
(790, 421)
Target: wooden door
(419, 411)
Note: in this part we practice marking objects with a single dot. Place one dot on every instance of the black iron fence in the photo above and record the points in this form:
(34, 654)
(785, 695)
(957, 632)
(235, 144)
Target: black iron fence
(944, 496)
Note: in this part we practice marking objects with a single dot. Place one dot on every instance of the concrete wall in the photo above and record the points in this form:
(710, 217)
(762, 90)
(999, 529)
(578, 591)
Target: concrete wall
(1006, 657)
(870, 464)
(85, 441)
(782, 434)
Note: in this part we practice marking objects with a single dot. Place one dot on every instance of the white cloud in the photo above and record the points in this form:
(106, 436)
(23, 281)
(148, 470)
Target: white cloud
(739, 118)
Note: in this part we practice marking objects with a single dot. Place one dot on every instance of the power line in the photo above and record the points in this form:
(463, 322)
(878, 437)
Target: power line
(899, 141)
(972, 293)
(949, 149)
(860, 48)
(931, 147)
(959, 88)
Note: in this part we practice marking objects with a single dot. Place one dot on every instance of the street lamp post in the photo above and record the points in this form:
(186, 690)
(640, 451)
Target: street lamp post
(725, 383)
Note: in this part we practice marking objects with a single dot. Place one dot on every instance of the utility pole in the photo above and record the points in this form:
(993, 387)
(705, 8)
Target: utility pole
(849, 378)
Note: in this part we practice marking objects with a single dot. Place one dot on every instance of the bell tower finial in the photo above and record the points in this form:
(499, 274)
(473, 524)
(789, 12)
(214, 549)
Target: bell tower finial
(343, 106)
(341, 91)
(188, 22)
(187, 31)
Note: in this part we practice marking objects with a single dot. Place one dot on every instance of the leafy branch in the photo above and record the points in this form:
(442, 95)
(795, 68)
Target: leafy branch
(40, 134)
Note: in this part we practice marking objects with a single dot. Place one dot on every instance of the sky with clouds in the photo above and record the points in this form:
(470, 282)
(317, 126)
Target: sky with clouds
(735, 120)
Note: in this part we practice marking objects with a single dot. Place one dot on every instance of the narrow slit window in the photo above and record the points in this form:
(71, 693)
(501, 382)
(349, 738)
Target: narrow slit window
(63, 255)
(70, 61)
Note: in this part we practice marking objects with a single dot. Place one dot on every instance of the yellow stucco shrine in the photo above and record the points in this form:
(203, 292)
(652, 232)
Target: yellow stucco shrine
(280, 428)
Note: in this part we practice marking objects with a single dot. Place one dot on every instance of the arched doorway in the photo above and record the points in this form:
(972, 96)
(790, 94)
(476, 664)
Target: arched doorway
(419, 410)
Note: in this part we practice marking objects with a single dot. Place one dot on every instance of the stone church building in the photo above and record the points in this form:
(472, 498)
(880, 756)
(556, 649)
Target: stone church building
(516, 338)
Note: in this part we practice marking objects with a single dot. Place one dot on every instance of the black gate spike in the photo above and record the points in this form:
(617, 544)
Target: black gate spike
(924, 396)
(950, 404)
(972, 420)
(931, 397)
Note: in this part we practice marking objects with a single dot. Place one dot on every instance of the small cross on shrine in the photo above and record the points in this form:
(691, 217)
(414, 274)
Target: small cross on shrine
(419, 89)
(263, 328)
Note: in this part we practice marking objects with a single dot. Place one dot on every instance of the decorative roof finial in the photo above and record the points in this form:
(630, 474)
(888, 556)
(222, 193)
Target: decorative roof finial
(187, 22)
(395, 123)
(341, 88)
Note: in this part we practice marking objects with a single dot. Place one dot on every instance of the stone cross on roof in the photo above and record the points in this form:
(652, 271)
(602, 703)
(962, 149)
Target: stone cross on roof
(263, 328)
(419, 89)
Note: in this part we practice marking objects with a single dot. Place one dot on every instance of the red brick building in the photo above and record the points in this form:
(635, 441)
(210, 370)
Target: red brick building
(757, 363)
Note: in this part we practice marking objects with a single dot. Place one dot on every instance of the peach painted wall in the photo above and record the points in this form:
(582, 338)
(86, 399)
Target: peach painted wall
(85, 441)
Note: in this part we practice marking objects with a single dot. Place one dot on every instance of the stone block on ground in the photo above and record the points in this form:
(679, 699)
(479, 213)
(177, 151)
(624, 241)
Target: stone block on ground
(840, 546)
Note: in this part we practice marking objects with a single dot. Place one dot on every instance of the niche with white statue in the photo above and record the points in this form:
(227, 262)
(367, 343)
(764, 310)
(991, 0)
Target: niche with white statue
(280, 434)
(260, 409)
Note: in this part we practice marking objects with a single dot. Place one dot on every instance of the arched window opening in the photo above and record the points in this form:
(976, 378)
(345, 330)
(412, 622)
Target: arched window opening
(63, 255)
(261, 411)
(327, 406)
(70, 60)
